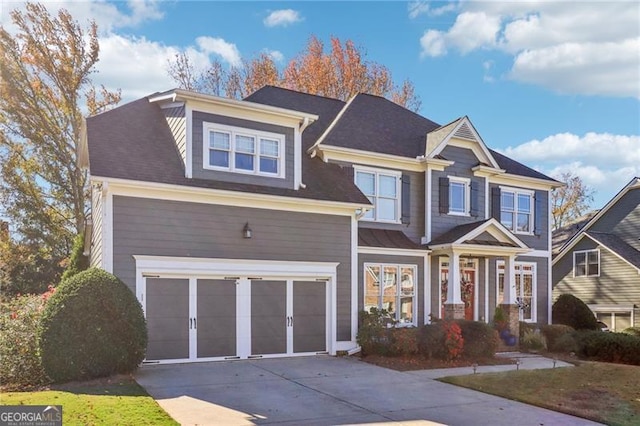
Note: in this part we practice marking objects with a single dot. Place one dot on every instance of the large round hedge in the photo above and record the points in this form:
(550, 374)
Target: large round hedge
(571, 311)
(93, 326)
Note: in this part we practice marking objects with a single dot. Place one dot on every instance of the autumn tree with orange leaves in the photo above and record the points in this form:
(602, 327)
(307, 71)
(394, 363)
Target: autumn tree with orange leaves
(338, 73)
(45, 69)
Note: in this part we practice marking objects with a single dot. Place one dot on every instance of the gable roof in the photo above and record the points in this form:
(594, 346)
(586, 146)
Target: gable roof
(515, 168)
(562, 235)
(633, 184)
(617, 246)
(469, 234)
(134, 142)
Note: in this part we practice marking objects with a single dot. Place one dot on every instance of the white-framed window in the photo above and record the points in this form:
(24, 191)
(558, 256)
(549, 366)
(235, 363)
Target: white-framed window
(382, 188)
(525, 288)
(586, 263)
(459, 196)
(240, 150)
(393, 288)
(616, 317)
(516, 210)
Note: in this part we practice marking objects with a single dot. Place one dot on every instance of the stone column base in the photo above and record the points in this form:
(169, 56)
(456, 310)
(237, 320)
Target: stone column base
(512, 313)
(453, 311)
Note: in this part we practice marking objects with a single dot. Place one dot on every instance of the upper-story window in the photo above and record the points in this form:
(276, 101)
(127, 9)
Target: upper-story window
(242, 150)
(459, 195)
(586, 263)
(516, 210)
(382, 188)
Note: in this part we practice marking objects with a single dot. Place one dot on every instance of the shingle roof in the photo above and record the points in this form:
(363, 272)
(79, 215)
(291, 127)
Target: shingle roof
(515, 168)
(134, 142)
(455, 233)
(618, 246)
(368, 237)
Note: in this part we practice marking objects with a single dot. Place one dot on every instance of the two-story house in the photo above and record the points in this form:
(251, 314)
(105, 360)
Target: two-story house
(600, 264)
(261, 227)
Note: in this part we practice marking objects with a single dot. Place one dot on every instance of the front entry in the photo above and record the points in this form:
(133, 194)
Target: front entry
(468, 292)
(467, 286)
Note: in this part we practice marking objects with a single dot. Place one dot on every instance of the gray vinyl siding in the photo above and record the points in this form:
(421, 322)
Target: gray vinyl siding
(181, 229)
(200, 173)
(540, 239)
(399, 260)
(618, 283)
(415, 229)
(464, 159)
(623, 219)
(95, 256)
(178, 125)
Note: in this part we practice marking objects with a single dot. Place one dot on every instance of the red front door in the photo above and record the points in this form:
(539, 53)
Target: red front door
(468, 295)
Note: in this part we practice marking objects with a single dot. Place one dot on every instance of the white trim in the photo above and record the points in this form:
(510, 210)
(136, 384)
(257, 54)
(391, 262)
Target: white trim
(475, 269)
(393, 251)
(428, 207)
(257, 136)
(482, 154)
(529, 182)
(466, 183)
(427, 290)
(354, 278)
(539, 253)
(534, 290)
(612, 251)
(297, 158)
(532, 207)
(162, 191)
(486, 290)
(377, 159)
(398, 285)
(188, 169)
(487, 198)
(549, 261)
(586, 263)
(397, 175)
(332, 125)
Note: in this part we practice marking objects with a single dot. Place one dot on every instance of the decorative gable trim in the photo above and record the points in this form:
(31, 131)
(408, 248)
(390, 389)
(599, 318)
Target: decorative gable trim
(459, 133)
(376, 159)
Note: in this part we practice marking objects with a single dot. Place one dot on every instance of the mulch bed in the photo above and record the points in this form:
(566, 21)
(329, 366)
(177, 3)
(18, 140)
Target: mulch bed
(409, 363)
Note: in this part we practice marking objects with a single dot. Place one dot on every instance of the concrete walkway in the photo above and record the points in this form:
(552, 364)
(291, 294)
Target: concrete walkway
(326, 390)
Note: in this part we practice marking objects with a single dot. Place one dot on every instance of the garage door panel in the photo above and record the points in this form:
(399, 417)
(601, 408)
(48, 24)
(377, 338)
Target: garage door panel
(268, 317)
(216, 328)
(309, 313)
(167, 313)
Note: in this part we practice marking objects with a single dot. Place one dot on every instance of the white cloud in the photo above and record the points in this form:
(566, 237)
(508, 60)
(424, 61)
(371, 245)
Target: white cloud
(276, 55)
(218, 46)
(417, 8)
(604, 161)
(571, 47)
(282, 18)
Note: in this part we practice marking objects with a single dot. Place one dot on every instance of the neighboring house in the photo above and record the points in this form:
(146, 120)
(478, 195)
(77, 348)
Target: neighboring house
(561, 235)
(601, 263)
(261, 227)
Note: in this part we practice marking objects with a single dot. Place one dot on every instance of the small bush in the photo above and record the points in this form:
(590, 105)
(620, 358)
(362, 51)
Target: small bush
(533, 340)
(500, 319)
(571, 311)
(480, 339)
(609, 347)
(20, 366)
(93, 326)
(634, 331)
(453, 341)
(404, 341)
(78, 262)
(373, 332)
(565, 344)
(431, 341)
(552, 332)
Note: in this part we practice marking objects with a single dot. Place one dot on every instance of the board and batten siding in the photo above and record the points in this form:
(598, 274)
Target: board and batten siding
(95, 256)
(618, 283)
(201, 173)
(183, 229)
(464, 159)
(622, 219)
(178, 125)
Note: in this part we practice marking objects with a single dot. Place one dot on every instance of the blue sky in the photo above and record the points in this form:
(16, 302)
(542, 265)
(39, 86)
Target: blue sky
(555, 85)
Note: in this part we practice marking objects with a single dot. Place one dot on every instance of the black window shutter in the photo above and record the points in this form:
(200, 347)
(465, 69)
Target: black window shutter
(475, 198)
(537, 215)
(444, 195)
(495, 203)
(406, 199)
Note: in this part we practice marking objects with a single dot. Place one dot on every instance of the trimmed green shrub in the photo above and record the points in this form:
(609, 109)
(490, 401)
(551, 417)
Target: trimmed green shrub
(373, 332)
(609, 347)
(634, 331)
(78, 262)
(565, 343)
(404, 341)
(93, 326)
(20, 366)
(431, 341)
(552, 332)
(533, 340)
(570, 310)
(480, 339)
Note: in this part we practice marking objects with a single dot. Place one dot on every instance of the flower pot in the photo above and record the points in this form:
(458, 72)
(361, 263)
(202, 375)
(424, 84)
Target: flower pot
(511, 341)
(505, 334)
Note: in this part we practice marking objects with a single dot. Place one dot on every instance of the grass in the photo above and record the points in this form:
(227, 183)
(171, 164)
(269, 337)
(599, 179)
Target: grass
(117, 400)
(607, 393)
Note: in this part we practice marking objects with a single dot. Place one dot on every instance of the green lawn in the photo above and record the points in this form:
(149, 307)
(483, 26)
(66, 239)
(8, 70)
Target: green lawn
(114, 401)
(607, 393)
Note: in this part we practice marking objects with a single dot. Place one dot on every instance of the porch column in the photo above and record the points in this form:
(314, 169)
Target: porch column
(454, 308)
(511, 310)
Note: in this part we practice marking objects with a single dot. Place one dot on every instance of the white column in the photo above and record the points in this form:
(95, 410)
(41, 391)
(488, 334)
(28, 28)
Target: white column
(509, 280)
(453, 289)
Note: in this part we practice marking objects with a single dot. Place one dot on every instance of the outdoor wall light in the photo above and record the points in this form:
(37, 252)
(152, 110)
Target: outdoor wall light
(246, 231)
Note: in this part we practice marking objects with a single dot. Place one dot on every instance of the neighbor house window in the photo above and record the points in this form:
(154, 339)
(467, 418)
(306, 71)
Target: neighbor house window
(382, 188)
(459, 196)
(516, 210)
(586, 263)
(243, 150)
(525, 288)
(392, 288)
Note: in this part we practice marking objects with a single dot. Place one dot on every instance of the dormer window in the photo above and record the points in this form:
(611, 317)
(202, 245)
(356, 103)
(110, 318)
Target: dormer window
(242, 150)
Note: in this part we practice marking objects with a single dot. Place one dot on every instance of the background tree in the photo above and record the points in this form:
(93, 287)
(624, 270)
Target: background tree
(338, 73)
(45, 71)
(571, 201)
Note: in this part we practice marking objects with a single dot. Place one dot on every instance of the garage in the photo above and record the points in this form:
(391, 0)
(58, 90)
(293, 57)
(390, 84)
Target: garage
(200, 310)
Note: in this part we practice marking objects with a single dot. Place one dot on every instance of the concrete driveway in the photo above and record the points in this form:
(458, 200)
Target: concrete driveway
(325, 390)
